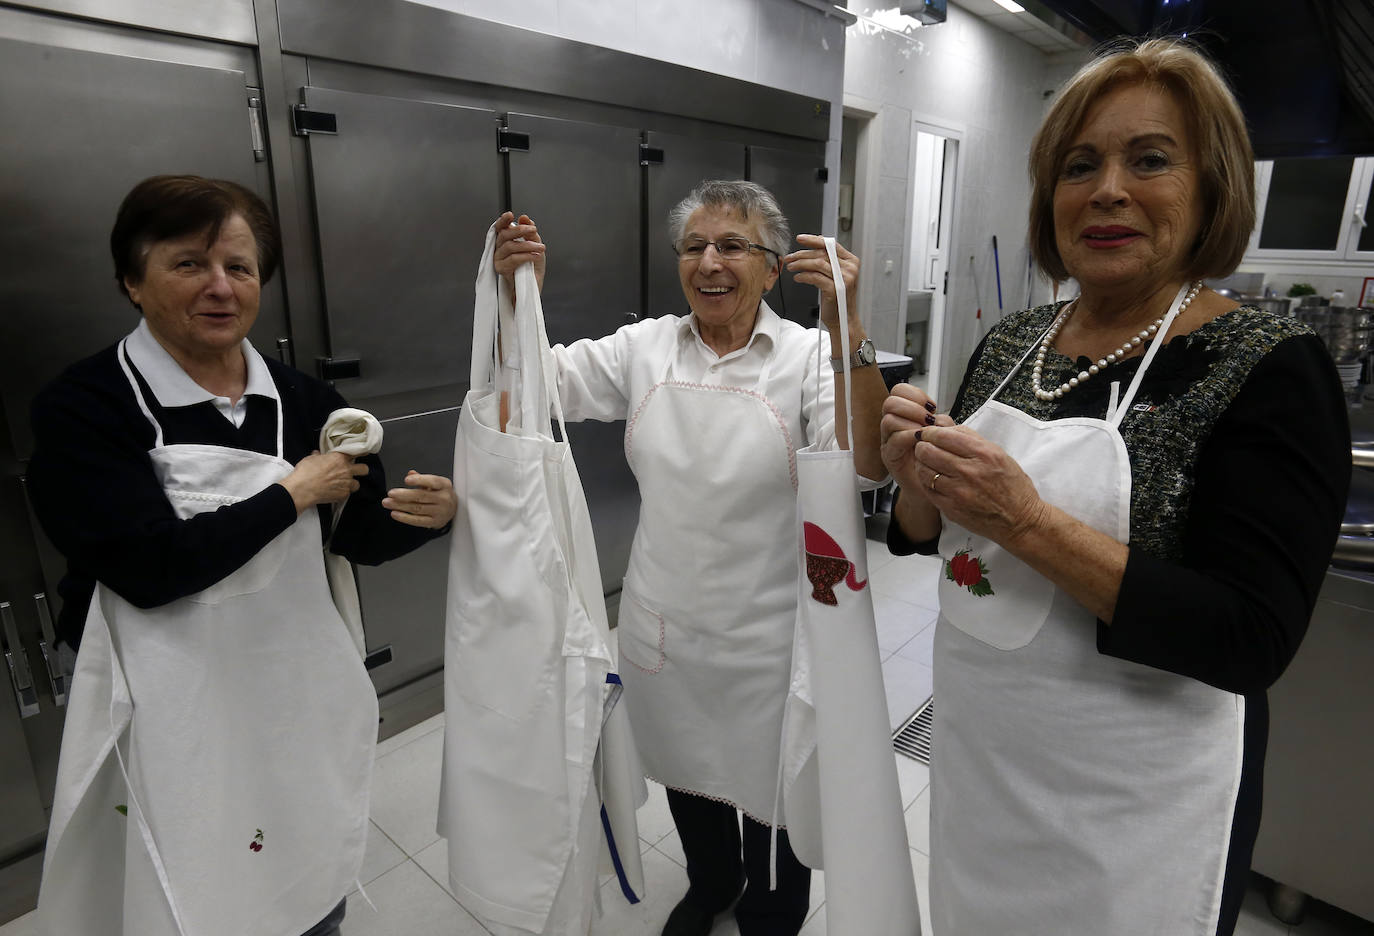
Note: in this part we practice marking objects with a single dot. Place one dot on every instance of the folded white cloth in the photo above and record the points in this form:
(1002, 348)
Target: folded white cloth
(354, 432)
(351, 431)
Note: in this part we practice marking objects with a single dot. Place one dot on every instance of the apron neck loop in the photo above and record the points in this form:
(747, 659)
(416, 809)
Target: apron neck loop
(1116, 409)
(842, 306)
(123, 355)
(1115, 417)
(765, 372)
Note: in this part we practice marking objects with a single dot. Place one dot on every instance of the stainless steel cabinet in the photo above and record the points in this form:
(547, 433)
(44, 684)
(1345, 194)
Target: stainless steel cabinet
(580, 181)
(81, 128)
(795, 178)
(400, 195)
(684, 161)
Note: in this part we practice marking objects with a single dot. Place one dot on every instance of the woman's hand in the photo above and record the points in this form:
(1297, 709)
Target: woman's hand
(976, 484)
(517, 242)
(906, 412)
(812, 266)
(322, 479)
(428, 501)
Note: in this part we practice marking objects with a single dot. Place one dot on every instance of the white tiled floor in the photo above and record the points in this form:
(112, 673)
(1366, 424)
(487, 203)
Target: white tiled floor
(405, 872)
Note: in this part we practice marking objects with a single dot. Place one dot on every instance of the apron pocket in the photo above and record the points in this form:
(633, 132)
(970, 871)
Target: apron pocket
(988, 593)
(641, 631)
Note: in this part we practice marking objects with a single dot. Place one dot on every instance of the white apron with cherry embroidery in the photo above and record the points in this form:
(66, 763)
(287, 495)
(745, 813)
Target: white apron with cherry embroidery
(710, 599)
(1071, 792)
(217, 754)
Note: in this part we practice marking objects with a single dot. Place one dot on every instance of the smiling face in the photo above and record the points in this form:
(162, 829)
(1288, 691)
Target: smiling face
(200, 300)
(1127, 206)
(725, 294)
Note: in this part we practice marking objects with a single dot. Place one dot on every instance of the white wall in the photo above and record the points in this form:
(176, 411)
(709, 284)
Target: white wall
(777, 43)
(991, 87)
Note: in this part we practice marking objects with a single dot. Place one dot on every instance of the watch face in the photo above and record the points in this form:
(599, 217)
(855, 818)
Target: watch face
(868, 354)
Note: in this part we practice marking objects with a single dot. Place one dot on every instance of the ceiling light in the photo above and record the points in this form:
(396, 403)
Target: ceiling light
(1011, 6)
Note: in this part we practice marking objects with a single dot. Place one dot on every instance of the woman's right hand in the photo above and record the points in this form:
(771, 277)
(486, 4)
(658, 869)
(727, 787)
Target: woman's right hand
(906, 411)
(322, 479)
(517, 242)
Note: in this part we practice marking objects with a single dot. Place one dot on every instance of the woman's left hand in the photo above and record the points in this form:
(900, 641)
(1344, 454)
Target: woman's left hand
(979, 486)
(812, 266)
(427, 502)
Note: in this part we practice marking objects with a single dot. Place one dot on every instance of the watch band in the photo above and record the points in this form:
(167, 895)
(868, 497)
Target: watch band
(865, 355)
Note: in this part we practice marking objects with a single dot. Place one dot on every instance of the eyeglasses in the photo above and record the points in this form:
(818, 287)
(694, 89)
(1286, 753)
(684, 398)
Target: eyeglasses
(727, 248)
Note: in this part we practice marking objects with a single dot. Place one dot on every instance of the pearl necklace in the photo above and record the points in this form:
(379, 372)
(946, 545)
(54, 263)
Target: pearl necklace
(1136, 340)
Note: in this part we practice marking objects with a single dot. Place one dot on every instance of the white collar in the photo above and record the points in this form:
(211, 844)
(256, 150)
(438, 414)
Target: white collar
(766, 325)
(173, 386)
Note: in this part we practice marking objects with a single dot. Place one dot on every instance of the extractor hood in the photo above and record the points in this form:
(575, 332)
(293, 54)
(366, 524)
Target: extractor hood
(1302, 69)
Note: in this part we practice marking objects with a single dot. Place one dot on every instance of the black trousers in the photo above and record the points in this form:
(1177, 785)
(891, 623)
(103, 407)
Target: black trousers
(719, 864)
(329, 926)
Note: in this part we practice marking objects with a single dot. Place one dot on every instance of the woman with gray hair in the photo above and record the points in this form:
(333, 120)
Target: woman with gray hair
(717, 402)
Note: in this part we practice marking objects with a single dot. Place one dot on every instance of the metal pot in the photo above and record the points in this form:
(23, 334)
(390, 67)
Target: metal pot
(1280, 305)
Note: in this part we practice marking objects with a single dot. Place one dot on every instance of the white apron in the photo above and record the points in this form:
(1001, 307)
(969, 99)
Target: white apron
(527, 653)
(709, 604)
(217, 754)
(843, 804)
(1071, 792)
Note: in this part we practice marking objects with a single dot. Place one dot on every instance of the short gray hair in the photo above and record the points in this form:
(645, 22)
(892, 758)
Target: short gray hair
(749, 199)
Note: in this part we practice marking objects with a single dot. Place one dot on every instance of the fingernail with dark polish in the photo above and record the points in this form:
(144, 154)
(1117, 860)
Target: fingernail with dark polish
(930, 420)
(930, 407)
(918, 436)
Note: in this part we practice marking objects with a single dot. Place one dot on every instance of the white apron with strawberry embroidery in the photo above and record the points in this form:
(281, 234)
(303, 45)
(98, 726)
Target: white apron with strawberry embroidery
(1071, 792)
(216, 759)
(710, 599)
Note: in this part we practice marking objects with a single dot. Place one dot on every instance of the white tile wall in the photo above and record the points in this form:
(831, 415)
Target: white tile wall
(970, 76)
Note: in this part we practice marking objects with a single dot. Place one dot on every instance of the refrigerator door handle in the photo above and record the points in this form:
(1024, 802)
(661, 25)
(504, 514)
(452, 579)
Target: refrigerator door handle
(17, 661)
(57, 676)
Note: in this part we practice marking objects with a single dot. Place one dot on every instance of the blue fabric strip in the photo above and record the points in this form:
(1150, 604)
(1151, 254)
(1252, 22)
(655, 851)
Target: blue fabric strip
(625, 888)
(613, 678)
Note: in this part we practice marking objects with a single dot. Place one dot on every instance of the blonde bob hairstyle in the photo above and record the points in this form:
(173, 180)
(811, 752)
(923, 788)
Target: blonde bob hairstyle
(1216, 127)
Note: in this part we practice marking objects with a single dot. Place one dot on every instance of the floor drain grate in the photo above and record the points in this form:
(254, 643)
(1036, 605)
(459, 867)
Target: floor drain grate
(913, 738)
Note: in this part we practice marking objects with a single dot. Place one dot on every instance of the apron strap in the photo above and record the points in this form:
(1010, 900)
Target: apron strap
(1158, 342)
(1013, 372)
(123, 356)
(841, 300)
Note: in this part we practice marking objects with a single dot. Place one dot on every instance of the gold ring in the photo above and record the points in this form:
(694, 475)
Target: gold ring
(933, 480)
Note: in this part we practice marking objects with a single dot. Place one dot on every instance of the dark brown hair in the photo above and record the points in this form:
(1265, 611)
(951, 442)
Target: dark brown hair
(1226, 164)
(167, 206)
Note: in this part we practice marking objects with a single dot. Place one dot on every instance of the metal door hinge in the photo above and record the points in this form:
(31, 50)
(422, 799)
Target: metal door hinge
(339, 368)
(650, 155)
(255, 128)
(508, 140)
(305, 121)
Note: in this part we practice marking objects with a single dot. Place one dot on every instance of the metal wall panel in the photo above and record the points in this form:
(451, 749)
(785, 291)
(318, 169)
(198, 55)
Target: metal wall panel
(686, 161)
(402, 196)
(91, 126)
(226, 20)
(793, 179)
(580, 182)
(413, 37)
(403, 600)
